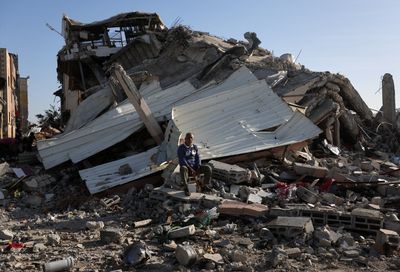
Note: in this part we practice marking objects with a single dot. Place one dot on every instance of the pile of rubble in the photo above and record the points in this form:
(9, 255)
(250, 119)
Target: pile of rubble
(304, 177)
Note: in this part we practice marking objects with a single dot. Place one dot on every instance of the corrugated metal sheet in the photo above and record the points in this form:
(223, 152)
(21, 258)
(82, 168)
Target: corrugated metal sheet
(107, 175)
(120, 122)
(231, 122)
(225, 124)
(90, 108)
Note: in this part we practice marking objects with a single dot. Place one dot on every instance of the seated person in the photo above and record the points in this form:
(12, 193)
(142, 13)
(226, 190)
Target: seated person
(190, 163)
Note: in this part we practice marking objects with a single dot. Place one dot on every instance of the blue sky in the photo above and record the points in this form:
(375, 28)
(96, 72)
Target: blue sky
(357, 38)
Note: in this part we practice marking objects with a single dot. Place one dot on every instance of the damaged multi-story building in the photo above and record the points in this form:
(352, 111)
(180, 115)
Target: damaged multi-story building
(13, 96)
(171, 72)
(90, 47)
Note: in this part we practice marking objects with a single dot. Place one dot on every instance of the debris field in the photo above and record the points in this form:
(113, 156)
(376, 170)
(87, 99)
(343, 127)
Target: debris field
(304, 176)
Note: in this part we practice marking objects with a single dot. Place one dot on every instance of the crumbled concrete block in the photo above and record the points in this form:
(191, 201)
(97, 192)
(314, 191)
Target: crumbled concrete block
(238, 208)
(182, 232)
(263, 193)
(142, 223)
(94, 225)
(255, 209)
(186, 255)
(231, 208)
(377, 200)
(53, 239)
(234, 189)
(108, 202)
(294, 252)
(309, 170)
(306, 195)
(332, 199)
(387, 241)
(291, 227)
(6, 234)
(39, 247)
(367, 213)
(253, 198)
(216, 258)
(352, 253)
(239, 256)
(111, 235)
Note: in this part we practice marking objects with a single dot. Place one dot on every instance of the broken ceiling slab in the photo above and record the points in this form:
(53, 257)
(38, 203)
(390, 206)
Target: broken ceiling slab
(120, 122)
(150, 21)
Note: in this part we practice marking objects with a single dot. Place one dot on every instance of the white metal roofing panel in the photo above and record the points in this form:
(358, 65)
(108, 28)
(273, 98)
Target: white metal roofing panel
(90, 108)
(120, 122)
(224, 124)
(107, 175)
(230, 123)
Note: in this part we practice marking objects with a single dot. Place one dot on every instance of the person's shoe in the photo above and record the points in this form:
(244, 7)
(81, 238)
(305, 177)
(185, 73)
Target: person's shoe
(187, 192)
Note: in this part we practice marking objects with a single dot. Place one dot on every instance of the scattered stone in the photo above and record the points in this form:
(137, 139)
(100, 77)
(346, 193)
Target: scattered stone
(182, 232)
(216, 258)
(6, 234)
(294, 252)
(142, 223)
(239, 256)
(351, 253)
(111, 235)
(136, 253)
(186, 255)
(39, 247)
(94, 225)
(53, 240)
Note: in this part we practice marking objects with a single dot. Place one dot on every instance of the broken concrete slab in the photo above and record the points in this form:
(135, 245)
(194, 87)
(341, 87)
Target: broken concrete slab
(291, 227)
(309, 170)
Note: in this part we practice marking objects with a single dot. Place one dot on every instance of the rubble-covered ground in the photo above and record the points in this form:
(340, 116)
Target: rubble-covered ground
(330, 204)
(50, 216)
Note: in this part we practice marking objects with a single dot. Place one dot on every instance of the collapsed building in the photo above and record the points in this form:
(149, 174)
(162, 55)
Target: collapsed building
(304, 175)
(178, 66)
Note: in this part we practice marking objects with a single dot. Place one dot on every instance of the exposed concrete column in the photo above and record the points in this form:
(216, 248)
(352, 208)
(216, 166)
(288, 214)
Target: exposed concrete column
(138, 102)
(388, 99)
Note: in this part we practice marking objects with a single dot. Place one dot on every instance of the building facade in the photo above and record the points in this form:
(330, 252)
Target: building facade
(12, 114)
(22, 113)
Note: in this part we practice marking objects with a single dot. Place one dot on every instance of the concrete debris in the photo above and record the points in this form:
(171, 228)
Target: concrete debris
(182, 232)
(186, 255)
(94, 225)
(291, 227)
(111, 235)
(53, 240)
(387, 241)
(136, 253)
(6, 234)
(216, 258)
(304, 176)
